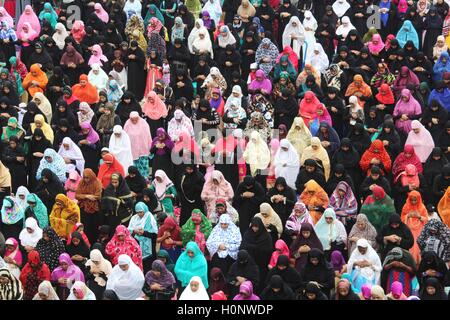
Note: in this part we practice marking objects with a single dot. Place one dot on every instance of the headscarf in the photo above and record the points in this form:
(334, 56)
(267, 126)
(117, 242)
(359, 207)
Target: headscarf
(129, 246)
(14, 252)
(73, 153)
(161, 187)
(101, 13)
(444, 207)
(327, 232)
(340, 7)
(30, 17)
(422, 142)
(308, 107)
(300, 139)
(99, 80)
(377, 151)
(369, 233)
(318, 199)
(376, 45)
(22, 191)
(294, 223)
(271, 53)
(223, 41)
(385, 95)
(370, 255)
(257, 153)
(12, 290)
(6, 17)
(140, 134)
(40, 77)
(27, 238)
(269, 217)
(82, 290)
(92, 136)
(187, 267)
(348, 201)
(154, 110)
(320, 60)
(11, 211)
(287, 163)
(345, 27)
(57, 166)
(61, 216)
(78, 31)
(407, 33)
(231, 237)
(46, 288)
(165, 278)
(200, 294)
(281, 249)
(87, 93)
(72, 274)
(214, 8)
(126, 284)
(320, 154)
(362, 88)
(97, 56)
(50, 250)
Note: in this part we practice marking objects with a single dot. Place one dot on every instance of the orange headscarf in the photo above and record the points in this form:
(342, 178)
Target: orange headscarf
(87, 93)
(154, 110)
(318, 199)
(40, 78)
(362, 88)
(444, 207)
(59, 218)
(381, 155)
(106, 171)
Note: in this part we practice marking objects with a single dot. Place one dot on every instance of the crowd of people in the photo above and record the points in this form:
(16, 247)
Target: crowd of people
(225, 150)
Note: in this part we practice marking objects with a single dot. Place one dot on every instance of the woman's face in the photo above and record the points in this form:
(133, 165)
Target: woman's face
(343, 291)
(140, 213)
(361, 225)
(413, 200)
(115, 182)
(329, 220)
(224, 226)
(314, 261)
(124, 267)
(64, 266)
(194, 286)
(156, 273)
(306, 234)
(76, 241)
(255, 228)
(159, 179)
(416, 131)
(4, 280)
(190, 254)
(84, 131)
(431, 290)
(42, 296)
(38, 124)
(12, 144)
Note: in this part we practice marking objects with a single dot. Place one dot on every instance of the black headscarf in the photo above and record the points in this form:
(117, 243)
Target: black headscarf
(50, 250)
(289, 275)
(284, 292)
(244, 267)
(439, 294)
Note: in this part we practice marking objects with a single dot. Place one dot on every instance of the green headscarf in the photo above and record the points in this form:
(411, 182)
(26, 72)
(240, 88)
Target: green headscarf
(149, 15)
(12, 122)
(189, 228)
(39, 210)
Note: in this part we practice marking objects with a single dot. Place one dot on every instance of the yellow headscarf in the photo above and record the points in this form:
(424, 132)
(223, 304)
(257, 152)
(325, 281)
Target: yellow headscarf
(60, 215)
(319, 154)
(300, 139)
(46, 128)
(257, 153)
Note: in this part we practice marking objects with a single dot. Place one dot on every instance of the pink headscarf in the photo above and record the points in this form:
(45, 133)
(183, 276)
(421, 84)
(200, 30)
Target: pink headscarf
(157, 28)
(411, 108)
(101, 13)
(97, 55)
(280, 245)
(71, 184)
(6, 17)
(15, 253)
(265, 84)
(376, 44)
(397, 289)
(402, 6)
(78, 31)
(29, 16)
(29, 35)
(140, 134)
(422, 142)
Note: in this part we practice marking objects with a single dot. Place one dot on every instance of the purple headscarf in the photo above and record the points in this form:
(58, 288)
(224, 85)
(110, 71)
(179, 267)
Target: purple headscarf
(92, 136)
(206, 23)
(165, 279)
(162, 137)
(247, 288)
(337, 260)
(72, 273)
(265, 84)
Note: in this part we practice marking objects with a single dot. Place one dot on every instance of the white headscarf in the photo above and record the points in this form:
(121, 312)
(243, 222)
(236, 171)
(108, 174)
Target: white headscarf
(204, 44)
(161, 187)
(100, 80)
(74, 153)
(81, 286)
(132, 7)
(194, 33)
(345, 27)
(309, 21)
(121, 147)
(298, 31)
(287, 163)
(46, 289)
(126, 284)
(319, 61)
(340, 7)
(30, 239)
(257, 153)
(200, 294)
(103, 266)
(60, 38)
(231, 238)
(223, 41)
(214, 9)
(22, 191)
(371, 256)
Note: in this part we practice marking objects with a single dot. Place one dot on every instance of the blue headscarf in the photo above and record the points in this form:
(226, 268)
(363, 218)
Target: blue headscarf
(57, 166)
(385, 16)
(442, 97)
(187, 267)
(407, 33)
(12, 213)
(147, 223)
(441, 67)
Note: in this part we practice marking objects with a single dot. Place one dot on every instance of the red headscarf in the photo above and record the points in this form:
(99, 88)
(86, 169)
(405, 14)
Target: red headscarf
(106, 171)
(409, 176)
(377, 151)
(308, 110)
(385, 95)
(402, 161)
(280, 245)
(170, 225)
(292, 56)
(128, 246)
(378, 193)
(33, 273)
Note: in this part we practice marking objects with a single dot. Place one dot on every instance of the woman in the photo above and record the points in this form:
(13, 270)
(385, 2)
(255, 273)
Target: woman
(98, 77)
(362, 229)
(48, 188)
(415, 216)
(98, 271)
(299, 135)
(195, 290)
(35, 81)
(258, 242)
(11, 287)
(46, 292)
(65, 276)
(404, 77)
(421, 139)
(406, 110)
(89, 143)
(277, 289)
(408, 156)
(65, 214)
(72, 155)
(85, 91)
(161, 149)
(169, 238)
(54, 162)
(282, 199)
(30, 235)
(78, 250)
(117, 201)
(319, 270)
(406, 33)
(164, 190)
(399, 266)
(223, 243)
(143, 228)
(315, 198)
(12, 256)
(80, 291)
(344, 202)
(286, 163)
(317, 152)
(216, 187)
(159, 282)
(126, 279)
(12, 219)
(375, 155)
(378, 207)
(191, 263)
(242, 271)
(50, 247)
(271, 221)
(435, 237)
(266, 55)
(431, 266)
(196, 229)
(364, 265)
(139, 132)
(120, 147)
(72, 64)
(360, 89)
(331, 232)
(122, 243)
(109, 166)
(88, 195)
(192, 182)
(432, 290)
